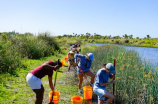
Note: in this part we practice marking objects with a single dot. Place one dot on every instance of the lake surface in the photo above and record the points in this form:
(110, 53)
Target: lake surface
(145, 53)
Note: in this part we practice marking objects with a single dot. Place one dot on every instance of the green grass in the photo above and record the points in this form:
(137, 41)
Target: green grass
(135, 82)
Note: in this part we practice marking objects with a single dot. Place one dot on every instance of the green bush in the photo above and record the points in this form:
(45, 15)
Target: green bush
(32, 47)
(10, 59)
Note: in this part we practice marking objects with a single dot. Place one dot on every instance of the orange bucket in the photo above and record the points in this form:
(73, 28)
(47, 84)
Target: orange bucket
(63, 62)
(55, 97)
(66, 58)
(76, 100)
(88, 90)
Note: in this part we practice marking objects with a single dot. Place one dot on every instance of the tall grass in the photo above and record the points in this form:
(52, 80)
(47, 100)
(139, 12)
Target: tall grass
(135, 80)
(16, 47)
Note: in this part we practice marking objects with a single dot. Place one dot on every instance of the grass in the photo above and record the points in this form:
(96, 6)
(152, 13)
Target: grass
(135, 81)
(14, 88)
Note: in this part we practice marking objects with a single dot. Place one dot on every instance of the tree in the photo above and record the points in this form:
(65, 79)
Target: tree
(125, 36)
(148, 36)
(131, 36)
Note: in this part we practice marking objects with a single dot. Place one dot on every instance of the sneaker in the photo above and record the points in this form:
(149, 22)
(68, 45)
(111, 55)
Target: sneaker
(91, 85)
(80, 92)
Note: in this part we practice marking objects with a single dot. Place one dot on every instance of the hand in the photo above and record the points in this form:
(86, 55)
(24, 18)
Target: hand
(81, 71)
(57, 67)
(113, 81)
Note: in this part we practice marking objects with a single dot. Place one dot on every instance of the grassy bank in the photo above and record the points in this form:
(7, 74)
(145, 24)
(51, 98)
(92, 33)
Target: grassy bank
(135, 81)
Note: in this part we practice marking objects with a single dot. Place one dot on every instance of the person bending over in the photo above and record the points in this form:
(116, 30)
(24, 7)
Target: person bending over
(34, 78)
(101, 82)
(85, 65)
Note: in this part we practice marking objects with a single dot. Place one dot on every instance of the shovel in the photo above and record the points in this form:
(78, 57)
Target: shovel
(51, 102)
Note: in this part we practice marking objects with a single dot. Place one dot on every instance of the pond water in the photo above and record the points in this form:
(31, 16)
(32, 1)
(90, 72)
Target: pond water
(145, 53)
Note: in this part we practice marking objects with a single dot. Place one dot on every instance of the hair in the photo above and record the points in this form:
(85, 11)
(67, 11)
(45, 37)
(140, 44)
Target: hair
(56, 63)
(104, 64)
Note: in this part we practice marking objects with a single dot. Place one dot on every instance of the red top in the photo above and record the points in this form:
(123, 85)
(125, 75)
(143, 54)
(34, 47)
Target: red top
(40, 72)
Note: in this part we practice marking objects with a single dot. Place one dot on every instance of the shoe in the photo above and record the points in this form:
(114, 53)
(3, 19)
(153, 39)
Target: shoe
(68, 72)
(91, 85)
(80, 92)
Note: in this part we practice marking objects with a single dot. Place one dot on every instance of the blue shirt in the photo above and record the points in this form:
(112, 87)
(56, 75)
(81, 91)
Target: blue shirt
(70, 48)
(101, 77)
(84, 64)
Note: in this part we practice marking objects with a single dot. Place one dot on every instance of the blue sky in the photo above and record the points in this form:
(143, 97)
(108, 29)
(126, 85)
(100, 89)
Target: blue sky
(104, 17)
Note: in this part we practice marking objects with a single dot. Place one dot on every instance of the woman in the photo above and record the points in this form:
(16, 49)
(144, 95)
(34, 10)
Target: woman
(70, 59)
(84, 64)
(102, 77)
(34, 78)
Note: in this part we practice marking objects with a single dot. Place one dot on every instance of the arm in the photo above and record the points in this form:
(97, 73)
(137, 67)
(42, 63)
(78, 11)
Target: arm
(107, 83)
(47, 66)
(50, 83)
(111, 76)
(77, 55)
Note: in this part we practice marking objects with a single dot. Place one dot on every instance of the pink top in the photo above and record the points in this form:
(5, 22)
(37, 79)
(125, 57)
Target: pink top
(40, 72)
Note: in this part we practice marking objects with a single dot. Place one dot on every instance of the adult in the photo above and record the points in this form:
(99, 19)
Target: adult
(101, 81)
(85, 65)
(34, 78)
(70, 59)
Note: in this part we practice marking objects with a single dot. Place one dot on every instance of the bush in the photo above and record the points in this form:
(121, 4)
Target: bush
(10, 59)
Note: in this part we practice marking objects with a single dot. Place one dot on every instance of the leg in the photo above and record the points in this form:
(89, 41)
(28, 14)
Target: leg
(39, 95)
(89, 73)
(69, 65)
(80, 77)
(100, 101)
(109, 96)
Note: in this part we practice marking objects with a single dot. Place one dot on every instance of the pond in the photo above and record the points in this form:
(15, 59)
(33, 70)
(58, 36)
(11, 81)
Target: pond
(145, 53)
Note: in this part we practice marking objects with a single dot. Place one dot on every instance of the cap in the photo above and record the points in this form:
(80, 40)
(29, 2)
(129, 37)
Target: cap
(110, 66)
(71, 52)
(90, 55)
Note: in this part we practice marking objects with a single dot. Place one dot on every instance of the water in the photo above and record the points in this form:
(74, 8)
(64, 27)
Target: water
(145, 53)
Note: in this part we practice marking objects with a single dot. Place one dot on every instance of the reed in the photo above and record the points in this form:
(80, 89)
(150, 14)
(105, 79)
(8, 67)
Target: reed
(136, 82)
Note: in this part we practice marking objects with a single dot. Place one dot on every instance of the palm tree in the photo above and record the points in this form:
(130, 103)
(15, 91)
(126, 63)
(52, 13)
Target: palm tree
(148, 36)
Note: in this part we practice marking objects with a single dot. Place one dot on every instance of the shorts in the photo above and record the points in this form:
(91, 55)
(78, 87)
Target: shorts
(33, 81)
(100, 92)
(73, 60)
(78, 71)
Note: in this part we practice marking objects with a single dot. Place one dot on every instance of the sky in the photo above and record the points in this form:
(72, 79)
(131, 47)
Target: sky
(104, 17)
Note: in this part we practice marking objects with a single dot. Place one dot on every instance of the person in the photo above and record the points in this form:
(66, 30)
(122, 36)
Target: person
(101, 81)
(72, 48)
(70, 60)
(34, 78)
(84, 64)
(78, 49)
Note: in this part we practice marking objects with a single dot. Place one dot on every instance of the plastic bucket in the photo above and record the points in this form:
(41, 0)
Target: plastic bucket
(66, 58)
(88, 90)
(55, 97)
(63, 62)
(76, 100)
(85, 101)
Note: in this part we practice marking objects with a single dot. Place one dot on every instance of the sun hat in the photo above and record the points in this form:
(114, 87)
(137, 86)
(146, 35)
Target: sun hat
(71, 52)
(90, 55)
(110, 66)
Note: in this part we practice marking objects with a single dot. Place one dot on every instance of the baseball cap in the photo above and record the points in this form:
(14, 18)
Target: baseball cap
(71, 52)
(110, 66)
(90, 55)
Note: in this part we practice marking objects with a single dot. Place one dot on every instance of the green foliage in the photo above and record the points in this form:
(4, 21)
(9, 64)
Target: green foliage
(135, 80)
(9, 58)
(14, 46)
